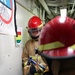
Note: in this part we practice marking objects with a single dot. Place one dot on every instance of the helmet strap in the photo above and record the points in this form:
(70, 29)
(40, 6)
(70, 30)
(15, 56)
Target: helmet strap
(34, 37)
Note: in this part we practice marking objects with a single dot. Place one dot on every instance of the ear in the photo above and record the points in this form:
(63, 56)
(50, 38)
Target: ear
(27, 29)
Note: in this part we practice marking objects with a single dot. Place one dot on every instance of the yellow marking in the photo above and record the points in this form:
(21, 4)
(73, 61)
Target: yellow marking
(52, 45)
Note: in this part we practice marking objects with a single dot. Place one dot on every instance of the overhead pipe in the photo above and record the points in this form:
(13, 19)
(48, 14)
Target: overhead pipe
(64, 3)
(72, 10)
(43, 3)
(24, 7)
(44, 16)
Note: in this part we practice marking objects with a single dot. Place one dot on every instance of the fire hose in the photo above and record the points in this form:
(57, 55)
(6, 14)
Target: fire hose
(30, 60)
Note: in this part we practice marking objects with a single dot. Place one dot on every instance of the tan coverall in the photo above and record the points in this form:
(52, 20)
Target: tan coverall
(29, 51)
(63, 67)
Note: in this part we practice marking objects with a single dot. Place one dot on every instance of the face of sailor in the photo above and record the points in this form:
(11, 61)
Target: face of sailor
(35, 32)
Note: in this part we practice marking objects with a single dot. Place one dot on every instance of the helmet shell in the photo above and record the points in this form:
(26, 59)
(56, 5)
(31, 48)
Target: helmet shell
(34, 22)
(58, 37)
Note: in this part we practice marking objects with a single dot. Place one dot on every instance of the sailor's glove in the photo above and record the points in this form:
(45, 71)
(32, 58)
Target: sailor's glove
(26, 69)
(29, 69)
(39, 69)
(32, 69)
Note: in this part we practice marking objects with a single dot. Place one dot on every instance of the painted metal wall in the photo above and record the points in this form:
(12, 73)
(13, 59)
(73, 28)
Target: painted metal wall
(10, 55)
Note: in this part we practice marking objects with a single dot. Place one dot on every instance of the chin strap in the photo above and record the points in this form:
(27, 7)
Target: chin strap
(33, 37)
(36, 39)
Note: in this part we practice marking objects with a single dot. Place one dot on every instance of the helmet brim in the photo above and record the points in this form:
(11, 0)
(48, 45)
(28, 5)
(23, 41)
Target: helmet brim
(61, 53)
(57, 36)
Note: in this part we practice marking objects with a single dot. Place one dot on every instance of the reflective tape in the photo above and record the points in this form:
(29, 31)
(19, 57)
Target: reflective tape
(34, 57)
(25, 63)
(52, 45)
(73, 46)
(38, 73)
(40, 25)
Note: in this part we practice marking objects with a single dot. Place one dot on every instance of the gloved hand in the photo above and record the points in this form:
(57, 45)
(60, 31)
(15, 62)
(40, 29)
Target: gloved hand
(39, 69)
(29, 70)
(26, 69)
(32, 69)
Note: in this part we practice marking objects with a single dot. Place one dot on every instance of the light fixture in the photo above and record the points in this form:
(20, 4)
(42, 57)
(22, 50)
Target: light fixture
(63, 14)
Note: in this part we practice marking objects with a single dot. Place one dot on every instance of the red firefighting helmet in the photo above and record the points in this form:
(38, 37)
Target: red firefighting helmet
(35, 22)
(34, 26)
(57, 38)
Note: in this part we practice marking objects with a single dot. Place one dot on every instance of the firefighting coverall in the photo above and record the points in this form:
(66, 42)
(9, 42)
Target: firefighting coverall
(29, 51)
(63, 67)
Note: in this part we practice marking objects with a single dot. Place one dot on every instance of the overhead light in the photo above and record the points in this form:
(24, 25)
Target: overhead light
(63, 14)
